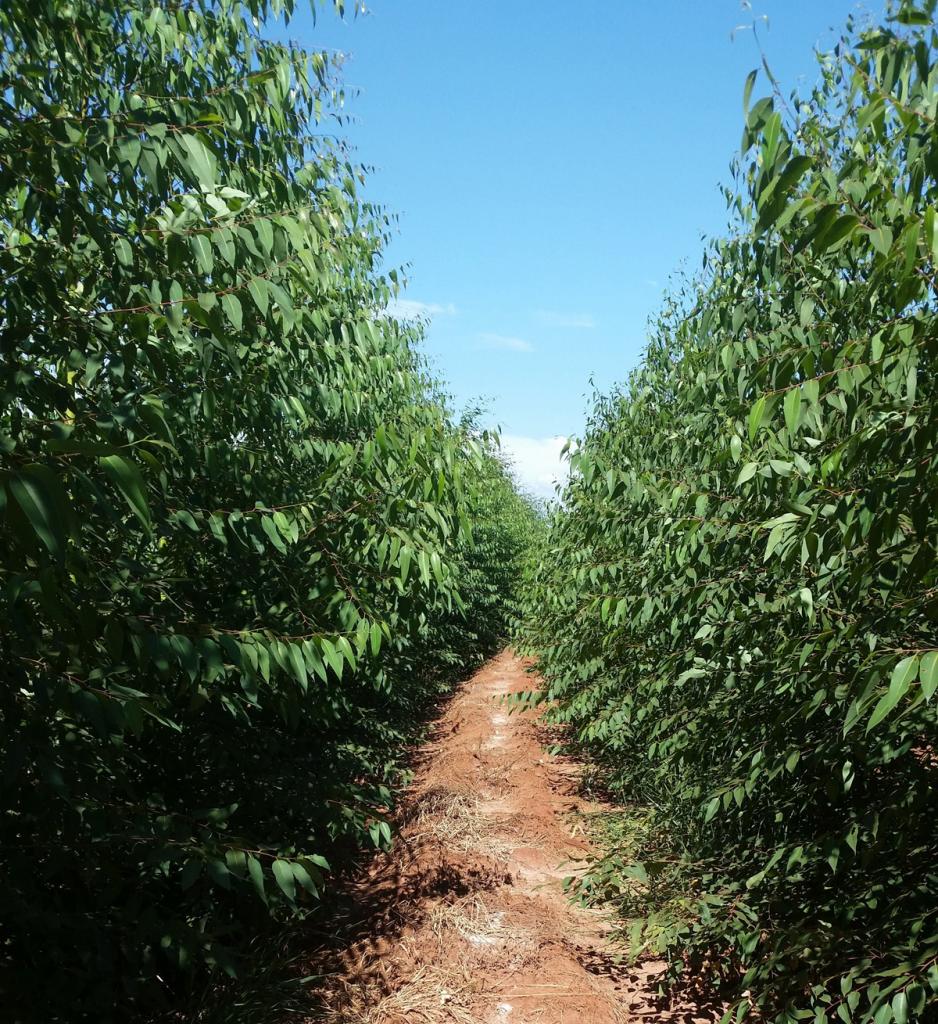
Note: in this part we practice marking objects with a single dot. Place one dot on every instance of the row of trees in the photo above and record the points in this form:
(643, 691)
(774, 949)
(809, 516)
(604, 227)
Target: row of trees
(243, 542)
(737, 612)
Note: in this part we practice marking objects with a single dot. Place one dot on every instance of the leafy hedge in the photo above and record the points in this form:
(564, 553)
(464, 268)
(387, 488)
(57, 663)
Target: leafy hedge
(235, 513)
(737, 612)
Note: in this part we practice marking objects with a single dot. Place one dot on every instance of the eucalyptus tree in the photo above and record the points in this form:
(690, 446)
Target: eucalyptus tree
(737, 611)
(233, 507)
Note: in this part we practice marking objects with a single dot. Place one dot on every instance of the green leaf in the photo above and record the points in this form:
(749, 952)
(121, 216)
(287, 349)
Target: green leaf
(333, 658)
(218, 872)
(303, 877)
(637, 871)
(257, 287)
(128, 479)
(838, 230)
(756, 415)
(909, 15)
(375, 638)
(776, 535)
(747, 90)
(792, 408)
(930, 224)
(198, 160)
(903, 675)
(42, 499)
(916, 998)
(928, 674)
(256, 873)
(273, 534)
(265, 235)
(173, 309)
(187, 519)
(314, 661)
(883, 1015)
(203, 253)
(232, 308)
(282, 299)
(298, 665)
(900, 1008)
(283, 875)
(124, 253)
(881, 237)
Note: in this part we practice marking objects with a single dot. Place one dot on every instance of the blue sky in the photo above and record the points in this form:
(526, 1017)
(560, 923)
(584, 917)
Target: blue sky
(552, 163)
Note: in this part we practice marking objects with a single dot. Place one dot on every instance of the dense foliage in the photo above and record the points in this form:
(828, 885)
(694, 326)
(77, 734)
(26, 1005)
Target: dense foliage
(738, 611)
(236, 517)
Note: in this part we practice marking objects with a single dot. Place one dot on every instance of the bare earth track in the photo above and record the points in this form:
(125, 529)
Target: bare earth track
(466, 921)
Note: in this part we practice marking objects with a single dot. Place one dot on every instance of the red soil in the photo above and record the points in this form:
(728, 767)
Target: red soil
(466, 920)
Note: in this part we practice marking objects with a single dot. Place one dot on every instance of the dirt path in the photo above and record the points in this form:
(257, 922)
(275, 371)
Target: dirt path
(467, 920)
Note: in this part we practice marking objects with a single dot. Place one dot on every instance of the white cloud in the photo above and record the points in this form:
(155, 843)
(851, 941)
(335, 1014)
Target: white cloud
(577, 321)
(504, 341)
(411, 309)
(537, 462)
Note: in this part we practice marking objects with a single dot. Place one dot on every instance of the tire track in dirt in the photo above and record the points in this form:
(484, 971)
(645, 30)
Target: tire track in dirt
(466, 920)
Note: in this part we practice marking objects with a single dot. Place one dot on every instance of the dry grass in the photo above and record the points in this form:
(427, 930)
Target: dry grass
(482, 939)
(432, 996)
(441, 991)
(474, 922)
(454, 819)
